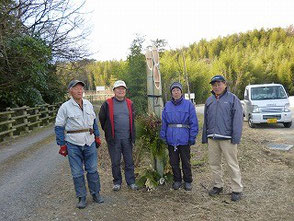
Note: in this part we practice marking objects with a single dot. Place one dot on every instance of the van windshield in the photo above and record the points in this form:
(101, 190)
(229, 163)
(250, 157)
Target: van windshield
(267, 93)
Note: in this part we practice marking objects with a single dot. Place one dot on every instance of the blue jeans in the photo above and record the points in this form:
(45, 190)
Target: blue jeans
(84, 158)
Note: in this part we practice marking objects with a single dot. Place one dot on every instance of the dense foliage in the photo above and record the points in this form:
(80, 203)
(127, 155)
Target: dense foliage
(148, 128)
(136, 77)
(258, 56)
(34, 35)
(262, 56)
(31, 73)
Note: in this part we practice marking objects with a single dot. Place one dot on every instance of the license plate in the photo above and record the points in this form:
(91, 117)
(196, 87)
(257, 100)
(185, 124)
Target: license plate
(271, 121)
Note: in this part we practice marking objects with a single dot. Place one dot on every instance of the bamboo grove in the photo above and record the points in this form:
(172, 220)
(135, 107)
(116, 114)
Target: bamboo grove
(258, 56)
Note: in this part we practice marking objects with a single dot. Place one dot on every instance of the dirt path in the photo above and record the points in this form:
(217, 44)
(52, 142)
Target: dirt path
(268, 177)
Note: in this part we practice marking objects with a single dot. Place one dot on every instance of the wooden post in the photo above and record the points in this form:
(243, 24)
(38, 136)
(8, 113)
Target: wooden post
(154, 93)
(9, 126)
(25, 119)
(37, 116)
(186, 74)
(149, 62)
(47, 114)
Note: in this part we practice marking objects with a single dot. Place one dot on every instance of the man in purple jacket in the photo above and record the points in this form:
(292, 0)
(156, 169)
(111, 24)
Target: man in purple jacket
(222, 129)
(179, 130)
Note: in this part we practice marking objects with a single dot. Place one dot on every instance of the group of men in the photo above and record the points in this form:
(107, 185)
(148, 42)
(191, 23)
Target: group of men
(77, 134)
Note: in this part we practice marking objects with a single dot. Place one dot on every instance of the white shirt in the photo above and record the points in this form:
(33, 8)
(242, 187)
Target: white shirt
(72, 117)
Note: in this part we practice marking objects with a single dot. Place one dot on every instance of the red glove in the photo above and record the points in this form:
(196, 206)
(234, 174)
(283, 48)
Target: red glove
(98, 142)
(63, 150)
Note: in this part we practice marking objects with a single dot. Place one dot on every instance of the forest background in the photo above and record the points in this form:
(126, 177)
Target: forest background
(41, 52)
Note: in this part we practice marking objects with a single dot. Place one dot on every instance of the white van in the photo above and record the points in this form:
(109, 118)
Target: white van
(266, 103)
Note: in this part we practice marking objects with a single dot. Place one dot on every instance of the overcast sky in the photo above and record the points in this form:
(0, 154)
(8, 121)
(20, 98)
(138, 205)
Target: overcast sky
(114, 23)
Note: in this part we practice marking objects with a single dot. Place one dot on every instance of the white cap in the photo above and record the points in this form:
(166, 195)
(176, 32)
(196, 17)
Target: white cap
(119, 83)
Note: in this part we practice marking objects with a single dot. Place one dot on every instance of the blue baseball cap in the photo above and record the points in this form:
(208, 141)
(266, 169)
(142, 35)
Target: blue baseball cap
(217, 78)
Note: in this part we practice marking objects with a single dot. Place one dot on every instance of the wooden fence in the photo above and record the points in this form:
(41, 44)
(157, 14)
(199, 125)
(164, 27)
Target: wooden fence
(13, 121)
(98, 96)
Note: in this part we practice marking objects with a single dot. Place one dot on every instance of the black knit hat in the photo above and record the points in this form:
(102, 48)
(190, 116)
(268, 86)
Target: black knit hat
(176, 85)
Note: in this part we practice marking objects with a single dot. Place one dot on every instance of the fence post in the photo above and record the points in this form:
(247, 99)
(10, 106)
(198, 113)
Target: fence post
(47, 114)
(37, 116)
(25, 120)
(9, 125)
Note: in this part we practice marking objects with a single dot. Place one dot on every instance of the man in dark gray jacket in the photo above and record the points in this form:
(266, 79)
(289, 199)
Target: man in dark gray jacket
(222, 130)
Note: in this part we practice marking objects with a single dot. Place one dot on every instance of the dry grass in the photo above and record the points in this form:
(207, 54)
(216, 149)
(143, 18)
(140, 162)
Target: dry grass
(268, 177)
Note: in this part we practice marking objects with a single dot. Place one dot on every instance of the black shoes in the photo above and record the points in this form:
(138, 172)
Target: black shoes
(82, 202)
(215, 191)
(177, 185)
(236, 196)
(97, 198)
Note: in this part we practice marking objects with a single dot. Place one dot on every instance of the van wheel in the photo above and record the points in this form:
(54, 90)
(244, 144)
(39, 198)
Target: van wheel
(288, 124)
(250, 123)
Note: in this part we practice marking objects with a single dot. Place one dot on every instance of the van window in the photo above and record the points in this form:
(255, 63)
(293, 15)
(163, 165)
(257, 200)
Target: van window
(267, 93)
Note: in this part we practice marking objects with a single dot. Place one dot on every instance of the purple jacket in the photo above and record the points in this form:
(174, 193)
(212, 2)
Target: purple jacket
(182, 112)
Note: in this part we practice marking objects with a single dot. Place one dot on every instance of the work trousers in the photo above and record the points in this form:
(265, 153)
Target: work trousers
(81, 157)
(175, 155)
(217, 148)
(116, 148)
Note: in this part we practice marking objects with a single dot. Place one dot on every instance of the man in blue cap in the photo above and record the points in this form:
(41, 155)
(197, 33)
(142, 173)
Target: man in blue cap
(77, 135)
(222, 130)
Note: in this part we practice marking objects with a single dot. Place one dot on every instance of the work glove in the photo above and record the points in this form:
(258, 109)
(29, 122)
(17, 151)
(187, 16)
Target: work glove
(191, 142)
(98, 142)
(63, 150)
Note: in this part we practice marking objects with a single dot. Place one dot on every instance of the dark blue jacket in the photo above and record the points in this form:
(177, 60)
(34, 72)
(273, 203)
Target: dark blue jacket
(223, 118)
(182, 112)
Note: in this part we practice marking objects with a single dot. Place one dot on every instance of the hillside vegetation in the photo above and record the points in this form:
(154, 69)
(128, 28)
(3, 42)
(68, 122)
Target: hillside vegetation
(32, 72)
(258, 56)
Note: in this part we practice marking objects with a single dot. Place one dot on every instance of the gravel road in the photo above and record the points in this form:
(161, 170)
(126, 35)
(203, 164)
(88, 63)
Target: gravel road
(27, 167)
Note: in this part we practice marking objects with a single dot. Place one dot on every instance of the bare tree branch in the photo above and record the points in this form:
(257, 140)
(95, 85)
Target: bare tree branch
(58, 23)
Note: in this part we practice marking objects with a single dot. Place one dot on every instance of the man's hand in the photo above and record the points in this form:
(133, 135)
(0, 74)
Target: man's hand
(63, 150)
(98, 142)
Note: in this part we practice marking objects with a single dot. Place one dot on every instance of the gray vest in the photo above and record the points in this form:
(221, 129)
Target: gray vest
(121, 119)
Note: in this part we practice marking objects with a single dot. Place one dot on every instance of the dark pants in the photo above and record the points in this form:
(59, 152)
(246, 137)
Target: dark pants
(183, 153)
(116, 148)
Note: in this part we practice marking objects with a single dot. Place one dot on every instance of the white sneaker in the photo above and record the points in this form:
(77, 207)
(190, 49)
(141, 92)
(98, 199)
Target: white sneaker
(116, 187)
(133, 186)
